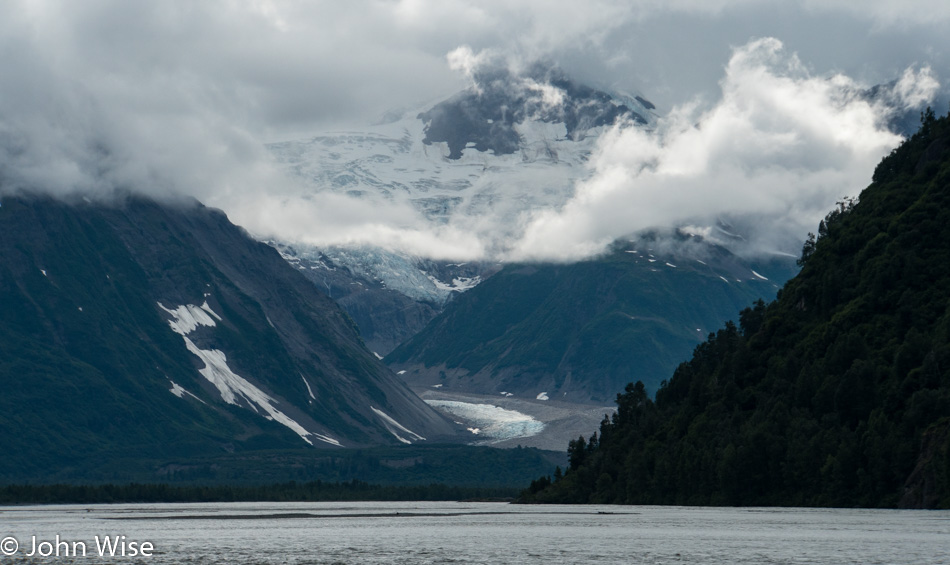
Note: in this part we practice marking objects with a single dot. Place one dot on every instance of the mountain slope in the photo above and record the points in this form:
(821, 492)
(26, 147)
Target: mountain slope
(579, 332)
(836, 394)
(136, 327)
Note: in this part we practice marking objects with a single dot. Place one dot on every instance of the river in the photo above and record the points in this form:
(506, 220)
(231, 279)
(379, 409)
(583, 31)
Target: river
(463, 533)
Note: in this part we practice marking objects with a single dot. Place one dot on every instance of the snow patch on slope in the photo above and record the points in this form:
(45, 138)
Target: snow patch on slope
(309, 390)
(187, 318)
(459, 284)
(206, 308)
(180, 391)
(230, 385)
(395, 427)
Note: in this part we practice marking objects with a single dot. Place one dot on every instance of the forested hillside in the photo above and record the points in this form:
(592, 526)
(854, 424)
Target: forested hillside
(835, 394)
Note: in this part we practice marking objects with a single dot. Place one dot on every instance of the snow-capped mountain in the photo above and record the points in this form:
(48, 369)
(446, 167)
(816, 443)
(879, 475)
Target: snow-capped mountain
(507, 145)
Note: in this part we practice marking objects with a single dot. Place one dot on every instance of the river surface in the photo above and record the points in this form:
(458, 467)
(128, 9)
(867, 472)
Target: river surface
(485, 533)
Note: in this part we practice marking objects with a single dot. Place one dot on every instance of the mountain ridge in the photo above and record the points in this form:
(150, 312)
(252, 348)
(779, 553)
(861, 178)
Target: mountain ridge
(169, 329)
(580, 331)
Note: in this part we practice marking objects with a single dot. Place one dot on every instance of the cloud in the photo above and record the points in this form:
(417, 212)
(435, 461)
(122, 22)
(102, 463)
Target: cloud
(913, 89)
(178, 97)
(774, 153)
(329, 219)
(887, 13)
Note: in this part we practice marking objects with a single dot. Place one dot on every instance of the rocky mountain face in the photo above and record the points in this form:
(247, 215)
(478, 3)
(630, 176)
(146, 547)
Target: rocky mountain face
(580, 332)
(136, 327)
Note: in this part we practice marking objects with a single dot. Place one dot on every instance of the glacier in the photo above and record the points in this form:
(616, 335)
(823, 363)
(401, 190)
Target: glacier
(492, 422)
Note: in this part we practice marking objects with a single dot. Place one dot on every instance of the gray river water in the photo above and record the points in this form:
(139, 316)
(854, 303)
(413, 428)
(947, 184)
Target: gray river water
(489, 533)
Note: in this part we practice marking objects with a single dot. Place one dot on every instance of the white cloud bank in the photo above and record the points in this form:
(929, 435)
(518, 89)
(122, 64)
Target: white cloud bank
(774, 153)
(328, 219)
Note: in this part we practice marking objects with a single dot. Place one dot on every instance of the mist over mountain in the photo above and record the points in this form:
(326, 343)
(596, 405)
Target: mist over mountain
(528, 164)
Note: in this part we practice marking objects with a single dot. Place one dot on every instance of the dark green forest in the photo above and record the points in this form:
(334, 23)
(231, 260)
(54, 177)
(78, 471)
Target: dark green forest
(835, 394)
(291, 491)
(410, 466)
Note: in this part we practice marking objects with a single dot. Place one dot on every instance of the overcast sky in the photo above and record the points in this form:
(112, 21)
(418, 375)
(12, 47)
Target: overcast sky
(177, 96)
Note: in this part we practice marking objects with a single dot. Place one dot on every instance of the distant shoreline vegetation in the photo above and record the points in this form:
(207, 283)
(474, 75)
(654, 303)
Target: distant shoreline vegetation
(292, 491)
